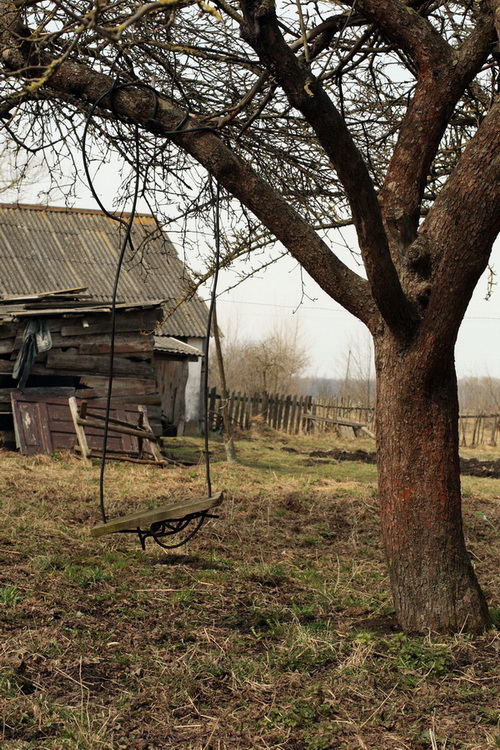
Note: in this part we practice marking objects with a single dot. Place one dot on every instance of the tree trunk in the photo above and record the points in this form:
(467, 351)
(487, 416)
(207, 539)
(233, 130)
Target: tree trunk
(433, 582)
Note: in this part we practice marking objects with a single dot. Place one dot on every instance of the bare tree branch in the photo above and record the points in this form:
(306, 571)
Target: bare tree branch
(236, 176)
(306, 94)
(462, 224)
(410, 30)
(426, 119)
(495, 6)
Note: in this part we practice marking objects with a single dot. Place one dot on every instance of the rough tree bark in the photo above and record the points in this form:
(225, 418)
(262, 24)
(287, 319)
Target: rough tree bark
(433, 583)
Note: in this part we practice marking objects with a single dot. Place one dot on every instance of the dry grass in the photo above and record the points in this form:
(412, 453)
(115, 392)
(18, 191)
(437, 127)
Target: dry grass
(272, 629)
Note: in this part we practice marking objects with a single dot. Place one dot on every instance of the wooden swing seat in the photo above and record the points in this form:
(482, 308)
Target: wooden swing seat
(146, 518)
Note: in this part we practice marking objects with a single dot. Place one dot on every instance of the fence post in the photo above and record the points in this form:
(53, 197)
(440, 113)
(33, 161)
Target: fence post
(274, 410)
(230, 407)
(245, 420)
(236, 409)
(286, 414)
(306, 405)
(280, 403)
(461, 428)
(265, 405)
(212, 414)
(298, 415)
(476, 432)
(493, 436)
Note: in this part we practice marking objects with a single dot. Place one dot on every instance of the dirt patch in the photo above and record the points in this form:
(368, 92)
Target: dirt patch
(382, 624)
(468, 466)
(340, 455)
(474, 468)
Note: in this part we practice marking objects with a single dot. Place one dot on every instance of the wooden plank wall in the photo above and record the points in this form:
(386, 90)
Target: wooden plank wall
(172, 377)
(78, 362)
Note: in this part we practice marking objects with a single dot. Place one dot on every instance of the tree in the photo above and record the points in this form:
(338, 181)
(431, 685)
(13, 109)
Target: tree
(358, 384)
(382, 114)
(270, 364)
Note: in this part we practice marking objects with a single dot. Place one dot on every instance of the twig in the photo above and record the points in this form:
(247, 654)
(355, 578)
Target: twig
(373, 713)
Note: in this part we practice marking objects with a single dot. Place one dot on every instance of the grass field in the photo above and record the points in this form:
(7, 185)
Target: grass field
(273, 628)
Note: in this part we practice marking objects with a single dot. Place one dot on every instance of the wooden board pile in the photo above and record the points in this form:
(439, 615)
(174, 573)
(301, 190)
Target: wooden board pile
(77, 364)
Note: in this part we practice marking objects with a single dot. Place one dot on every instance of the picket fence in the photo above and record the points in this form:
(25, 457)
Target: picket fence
(306, 414)
(288, 413)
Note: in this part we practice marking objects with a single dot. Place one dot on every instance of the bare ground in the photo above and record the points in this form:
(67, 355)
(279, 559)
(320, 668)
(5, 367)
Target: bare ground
(472, 467)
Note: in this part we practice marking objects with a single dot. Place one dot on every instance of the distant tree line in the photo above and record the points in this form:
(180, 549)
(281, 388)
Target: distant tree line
(278, 362)
(272, 364)
(480, 395)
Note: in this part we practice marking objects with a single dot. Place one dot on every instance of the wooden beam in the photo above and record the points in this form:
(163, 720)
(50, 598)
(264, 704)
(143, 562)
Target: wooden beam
(144, 320)
(144, 519)
(74, 291)
(114, 456)
(122, 386)
(145, 345)
(153, 444)
(80, 432)
(7, 330)
(6, 345)
(72, 362)
(98, 343)
(113, 427)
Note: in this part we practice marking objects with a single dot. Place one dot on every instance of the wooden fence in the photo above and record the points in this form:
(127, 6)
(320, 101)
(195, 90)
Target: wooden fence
(305, 414)
(287, 413)
(479, 429)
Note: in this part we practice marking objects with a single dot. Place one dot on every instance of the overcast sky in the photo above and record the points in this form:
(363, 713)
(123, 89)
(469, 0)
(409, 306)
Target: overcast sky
(254, 307)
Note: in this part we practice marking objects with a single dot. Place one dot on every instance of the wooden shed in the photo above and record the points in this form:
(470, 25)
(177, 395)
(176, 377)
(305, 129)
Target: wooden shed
(56, 271)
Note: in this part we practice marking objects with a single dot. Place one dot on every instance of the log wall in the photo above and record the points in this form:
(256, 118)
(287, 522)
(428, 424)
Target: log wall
(78, 362)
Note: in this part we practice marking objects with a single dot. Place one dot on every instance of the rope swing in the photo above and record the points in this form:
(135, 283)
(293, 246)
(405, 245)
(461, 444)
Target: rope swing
(170, 526)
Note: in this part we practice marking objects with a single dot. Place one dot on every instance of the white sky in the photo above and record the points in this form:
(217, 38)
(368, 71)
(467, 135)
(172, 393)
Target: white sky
(329, 331)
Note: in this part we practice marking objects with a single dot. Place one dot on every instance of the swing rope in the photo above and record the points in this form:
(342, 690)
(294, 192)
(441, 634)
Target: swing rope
(127, 241)
(213, 296)
(170, 525)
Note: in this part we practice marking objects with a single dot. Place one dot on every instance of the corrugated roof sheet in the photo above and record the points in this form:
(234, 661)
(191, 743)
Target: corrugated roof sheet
(46, 248)
(174, 346)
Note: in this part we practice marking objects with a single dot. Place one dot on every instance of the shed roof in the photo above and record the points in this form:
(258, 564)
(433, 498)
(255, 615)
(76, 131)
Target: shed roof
(44, 248)
(172, 345)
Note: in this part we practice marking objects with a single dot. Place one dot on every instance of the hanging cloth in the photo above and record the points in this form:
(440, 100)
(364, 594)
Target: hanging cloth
(36, 339)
